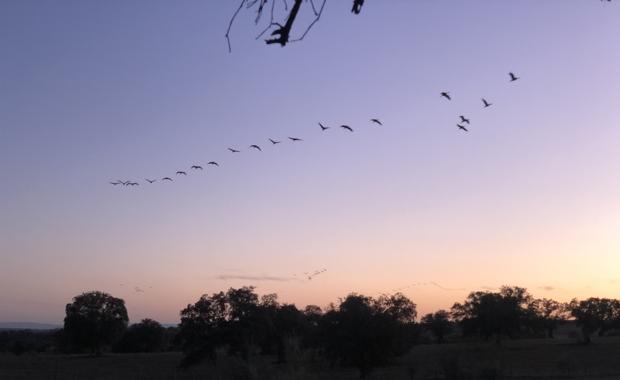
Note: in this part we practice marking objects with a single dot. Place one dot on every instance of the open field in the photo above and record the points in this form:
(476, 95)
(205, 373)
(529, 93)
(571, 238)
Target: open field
(522, 359)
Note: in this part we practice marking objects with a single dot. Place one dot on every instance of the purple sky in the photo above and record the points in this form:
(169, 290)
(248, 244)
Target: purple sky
(94, 91)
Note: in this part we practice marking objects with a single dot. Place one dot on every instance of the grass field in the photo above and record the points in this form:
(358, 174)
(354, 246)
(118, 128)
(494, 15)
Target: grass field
(520, 359)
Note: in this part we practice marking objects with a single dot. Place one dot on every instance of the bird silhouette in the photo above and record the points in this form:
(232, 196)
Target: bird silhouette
(317, 272)
(256, 147)
(347, 128)
(150, 180)
(486, 104)
(295, 139)
(376, 121)
(446, 95)
(116, 183)
(213, 163)
(464, 119)
(166, 179)
(274, 142)
(197, 167)
(513, 77)
(181, 173)
(462, 127)
(134, 184)
(323, 128)
(233, 150)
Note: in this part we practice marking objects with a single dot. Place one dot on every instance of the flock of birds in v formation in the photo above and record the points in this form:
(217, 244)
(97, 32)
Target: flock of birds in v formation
(461, 126)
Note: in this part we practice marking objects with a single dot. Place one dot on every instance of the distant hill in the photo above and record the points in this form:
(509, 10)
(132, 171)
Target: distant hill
(27, 326)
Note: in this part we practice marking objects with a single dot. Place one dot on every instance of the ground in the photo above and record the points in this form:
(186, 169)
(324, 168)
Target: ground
(520, 359)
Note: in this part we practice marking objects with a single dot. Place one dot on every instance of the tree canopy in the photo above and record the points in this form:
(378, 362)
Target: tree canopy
(493, 313)
(365, 332)
(94, 319)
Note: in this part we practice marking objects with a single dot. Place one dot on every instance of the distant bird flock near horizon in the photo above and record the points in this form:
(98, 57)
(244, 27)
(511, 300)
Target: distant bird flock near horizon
(445, 94)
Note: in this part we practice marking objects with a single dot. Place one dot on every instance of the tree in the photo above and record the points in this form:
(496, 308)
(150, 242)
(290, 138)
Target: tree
(438, 323)
(545, 315)
(146, 336)
(397, 306)
(289, 323)
(493, 313)
(365, 332)
(202, 327)
(595, 314)
(236, 319)
(94, 319)
(281, 30)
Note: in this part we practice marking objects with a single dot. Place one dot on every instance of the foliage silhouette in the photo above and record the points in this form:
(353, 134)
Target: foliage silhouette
(493, 313)
(546, 315)
(365, 333)
(93, 320)
(360, 331)
(438, 323)
(146, 336)
(238, 320)
(595, 314)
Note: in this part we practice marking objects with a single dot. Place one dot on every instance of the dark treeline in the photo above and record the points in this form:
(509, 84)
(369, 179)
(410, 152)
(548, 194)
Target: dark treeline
(359, 331)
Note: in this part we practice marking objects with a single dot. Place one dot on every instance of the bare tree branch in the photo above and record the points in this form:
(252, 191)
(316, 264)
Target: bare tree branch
(232, 19)
(281, 35)
(357, 6)
(313, 8)
(271, 23)
(316, 19)
(259, 12)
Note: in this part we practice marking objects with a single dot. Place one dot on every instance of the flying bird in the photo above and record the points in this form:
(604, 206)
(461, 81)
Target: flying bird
(150, 180)
(256, 147)
(486, 104)
(376, 121)
(274, 142)
(181, 173)
(462, 127)
(116, 183)
(197, 167)
(513, 77)
(134, 184)
(295, 139)
(166, 179)
(446, 95)
(323, 128)
(464, 119)
(233, 150)
(347, 128)
(213, 163)
(314, 274)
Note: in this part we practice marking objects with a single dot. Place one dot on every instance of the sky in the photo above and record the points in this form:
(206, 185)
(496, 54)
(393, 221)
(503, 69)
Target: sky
(93, 92)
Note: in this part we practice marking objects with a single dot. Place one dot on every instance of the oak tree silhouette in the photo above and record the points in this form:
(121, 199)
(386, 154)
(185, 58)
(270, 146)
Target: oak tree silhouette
(93, 320)
(438, 323)
(365, 333)
(595, 314)
(145, 336)
(493, 313)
